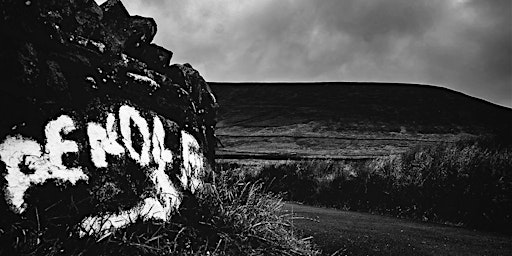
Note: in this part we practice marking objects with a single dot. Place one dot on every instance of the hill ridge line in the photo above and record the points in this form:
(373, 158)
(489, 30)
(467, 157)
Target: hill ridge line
(348, 83)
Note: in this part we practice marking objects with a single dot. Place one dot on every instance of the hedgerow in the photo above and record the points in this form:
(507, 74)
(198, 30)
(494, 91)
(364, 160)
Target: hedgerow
(466, 183)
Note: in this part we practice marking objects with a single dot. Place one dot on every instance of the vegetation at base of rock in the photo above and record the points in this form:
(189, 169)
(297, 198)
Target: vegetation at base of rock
(467, 183)
(230, 217)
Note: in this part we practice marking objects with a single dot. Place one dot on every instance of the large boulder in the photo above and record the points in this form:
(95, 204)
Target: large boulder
(97, 130)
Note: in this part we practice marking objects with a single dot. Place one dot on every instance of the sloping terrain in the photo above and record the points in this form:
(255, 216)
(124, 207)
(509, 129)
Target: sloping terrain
(351, 233)
(346, 120)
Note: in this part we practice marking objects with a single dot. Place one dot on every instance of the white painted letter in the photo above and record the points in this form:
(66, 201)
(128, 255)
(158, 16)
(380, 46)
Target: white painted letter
(16, 151)
(13, 152)
(165, 189)
(127, 113)
(55, 145)
(103, 141)
(161, 155)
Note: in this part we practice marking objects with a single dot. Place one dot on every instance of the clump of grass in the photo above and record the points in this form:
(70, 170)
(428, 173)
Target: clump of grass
(251, 221)
(229, 217)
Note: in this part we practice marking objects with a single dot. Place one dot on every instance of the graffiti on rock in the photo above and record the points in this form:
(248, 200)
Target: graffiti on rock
(46, 163)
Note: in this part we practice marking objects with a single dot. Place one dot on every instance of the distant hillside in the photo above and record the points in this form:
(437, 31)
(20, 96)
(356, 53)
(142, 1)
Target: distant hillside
(346, 120)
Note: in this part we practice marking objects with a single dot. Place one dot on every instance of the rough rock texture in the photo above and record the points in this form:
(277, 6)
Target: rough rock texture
(67, 65)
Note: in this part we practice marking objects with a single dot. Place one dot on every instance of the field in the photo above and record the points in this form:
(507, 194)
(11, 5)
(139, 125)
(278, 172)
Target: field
(346, 120)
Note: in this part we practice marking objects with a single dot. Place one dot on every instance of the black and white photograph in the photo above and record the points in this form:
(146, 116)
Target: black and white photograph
(255, 127)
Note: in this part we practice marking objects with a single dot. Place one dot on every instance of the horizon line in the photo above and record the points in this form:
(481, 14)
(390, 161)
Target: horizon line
(361, 82)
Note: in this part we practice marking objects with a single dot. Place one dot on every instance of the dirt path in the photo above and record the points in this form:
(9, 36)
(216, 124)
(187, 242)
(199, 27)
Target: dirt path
(352, 233)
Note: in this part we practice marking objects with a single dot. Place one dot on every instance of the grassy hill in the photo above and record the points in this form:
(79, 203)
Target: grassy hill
(346, 120)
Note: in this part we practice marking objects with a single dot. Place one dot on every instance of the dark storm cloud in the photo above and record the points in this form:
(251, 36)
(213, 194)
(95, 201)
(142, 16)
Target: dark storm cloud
(460, 44)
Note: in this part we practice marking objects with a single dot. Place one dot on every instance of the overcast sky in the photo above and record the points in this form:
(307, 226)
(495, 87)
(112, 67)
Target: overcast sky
(465, 45)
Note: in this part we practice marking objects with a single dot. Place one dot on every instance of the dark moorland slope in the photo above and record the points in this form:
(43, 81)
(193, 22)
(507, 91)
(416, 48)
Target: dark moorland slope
(346, 120)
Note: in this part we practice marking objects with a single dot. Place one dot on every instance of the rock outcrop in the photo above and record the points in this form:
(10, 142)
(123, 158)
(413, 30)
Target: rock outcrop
(98, 129)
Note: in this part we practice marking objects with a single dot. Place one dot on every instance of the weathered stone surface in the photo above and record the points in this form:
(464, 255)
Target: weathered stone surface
(155, 56)
(95, 123)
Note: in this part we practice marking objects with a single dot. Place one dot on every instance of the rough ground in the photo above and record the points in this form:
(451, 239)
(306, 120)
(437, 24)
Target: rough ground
(345, 120)
(351, 233)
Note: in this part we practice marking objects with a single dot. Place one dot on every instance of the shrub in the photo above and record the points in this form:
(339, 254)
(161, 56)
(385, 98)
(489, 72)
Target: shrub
(462, 183)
